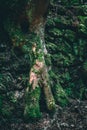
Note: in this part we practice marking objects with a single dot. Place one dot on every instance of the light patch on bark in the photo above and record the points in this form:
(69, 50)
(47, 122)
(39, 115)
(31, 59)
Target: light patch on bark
(35, 74)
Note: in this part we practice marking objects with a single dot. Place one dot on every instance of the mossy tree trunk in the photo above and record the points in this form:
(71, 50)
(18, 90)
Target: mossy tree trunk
(35, 12)
(38, 76)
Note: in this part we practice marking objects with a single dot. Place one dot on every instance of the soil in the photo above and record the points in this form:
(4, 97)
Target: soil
(72, 117)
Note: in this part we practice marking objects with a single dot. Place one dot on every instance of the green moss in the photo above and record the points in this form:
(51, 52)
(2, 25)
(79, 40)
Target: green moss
(51, 106)
(60, 95)
(48, 60)
(32, 109)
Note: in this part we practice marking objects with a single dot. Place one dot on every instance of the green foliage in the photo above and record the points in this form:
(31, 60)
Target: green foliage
(71, 2)
(6, 111)
(60, 95)
(85, 65)
(0, 104)
(66, 43)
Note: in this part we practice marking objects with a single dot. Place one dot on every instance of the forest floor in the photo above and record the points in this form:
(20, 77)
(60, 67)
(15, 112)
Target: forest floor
(72, 117)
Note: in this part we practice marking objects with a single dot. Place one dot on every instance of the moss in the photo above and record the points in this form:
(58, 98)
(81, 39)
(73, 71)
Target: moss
(60, 95)
(32, 109)
(48, 60)
(51, 106)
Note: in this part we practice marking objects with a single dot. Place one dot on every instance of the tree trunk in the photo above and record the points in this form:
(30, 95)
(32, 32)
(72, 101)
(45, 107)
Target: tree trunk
(38, 77)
